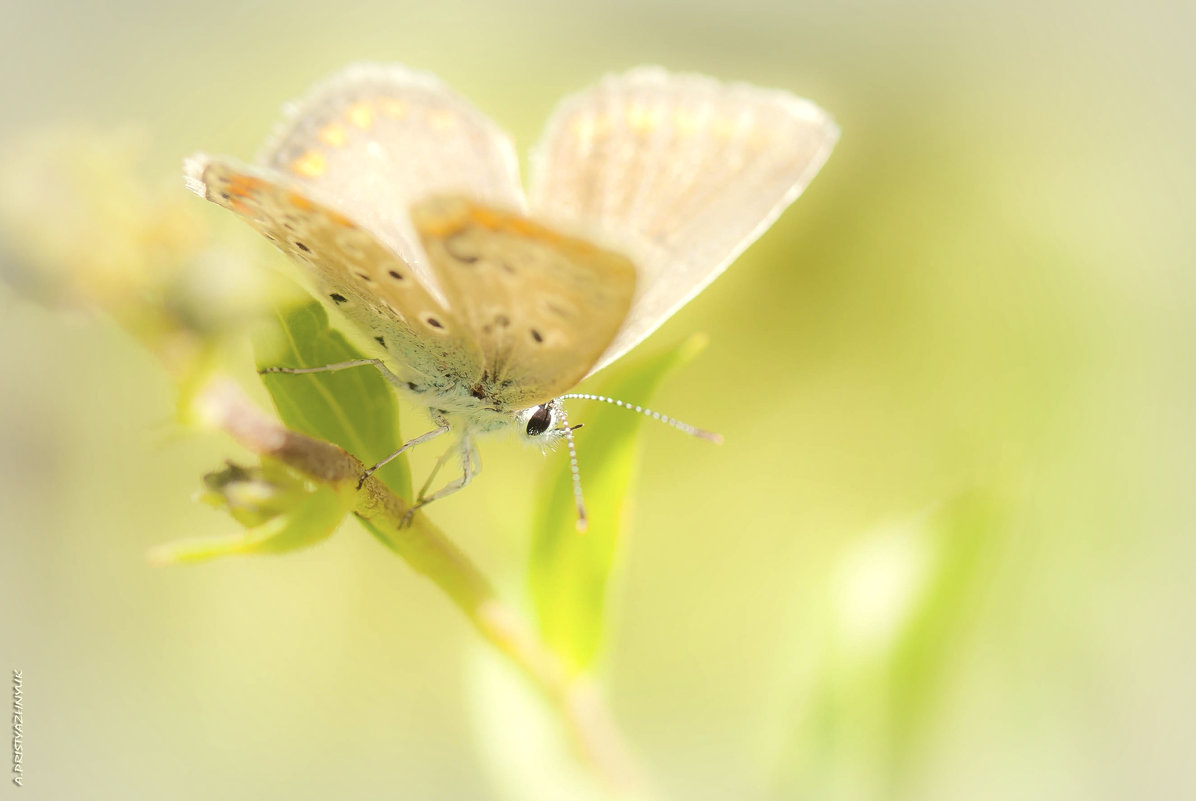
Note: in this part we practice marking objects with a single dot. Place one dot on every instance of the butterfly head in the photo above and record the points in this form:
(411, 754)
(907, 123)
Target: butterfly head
(543, 425)
(546, 425)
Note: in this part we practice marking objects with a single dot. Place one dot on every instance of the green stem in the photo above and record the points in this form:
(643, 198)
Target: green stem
(221, 404)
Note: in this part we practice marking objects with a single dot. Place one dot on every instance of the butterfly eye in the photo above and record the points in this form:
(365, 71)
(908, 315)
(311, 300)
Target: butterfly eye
(539, 422)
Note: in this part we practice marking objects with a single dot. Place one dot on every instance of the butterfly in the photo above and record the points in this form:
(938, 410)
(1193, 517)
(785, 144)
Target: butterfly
(403, 206)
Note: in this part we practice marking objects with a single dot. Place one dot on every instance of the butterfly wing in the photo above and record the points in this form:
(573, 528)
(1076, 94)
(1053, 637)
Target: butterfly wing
(373, 139)
(345, 263)
(541, 306)
(681, 171)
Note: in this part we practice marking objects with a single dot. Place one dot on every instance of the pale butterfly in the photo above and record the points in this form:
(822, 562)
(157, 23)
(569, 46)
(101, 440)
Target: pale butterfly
(403, 203)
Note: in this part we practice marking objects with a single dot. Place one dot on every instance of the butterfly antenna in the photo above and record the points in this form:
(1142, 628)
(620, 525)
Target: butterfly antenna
(694, 431)
(582, 520)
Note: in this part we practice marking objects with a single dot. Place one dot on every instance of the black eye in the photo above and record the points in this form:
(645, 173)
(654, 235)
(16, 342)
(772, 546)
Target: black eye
(539, 422)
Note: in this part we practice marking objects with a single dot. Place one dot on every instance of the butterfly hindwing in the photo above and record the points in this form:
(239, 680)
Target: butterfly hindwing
(541, 305)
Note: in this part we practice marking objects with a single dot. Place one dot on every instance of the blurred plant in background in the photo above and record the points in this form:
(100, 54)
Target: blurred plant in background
(82, 226)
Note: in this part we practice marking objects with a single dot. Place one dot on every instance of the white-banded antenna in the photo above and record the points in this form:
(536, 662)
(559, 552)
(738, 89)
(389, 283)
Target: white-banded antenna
(582, 521)
(664, 418)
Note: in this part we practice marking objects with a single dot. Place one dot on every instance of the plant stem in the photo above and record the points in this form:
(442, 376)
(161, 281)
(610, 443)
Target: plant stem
(223, 405)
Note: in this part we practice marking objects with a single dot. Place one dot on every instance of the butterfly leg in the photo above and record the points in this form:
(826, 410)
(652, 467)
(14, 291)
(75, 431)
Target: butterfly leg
(436, 432)
(441, 462)
(471, 466)
(332, 368)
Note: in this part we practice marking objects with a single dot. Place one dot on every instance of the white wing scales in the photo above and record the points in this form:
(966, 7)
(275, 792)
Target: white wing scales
(680, 171)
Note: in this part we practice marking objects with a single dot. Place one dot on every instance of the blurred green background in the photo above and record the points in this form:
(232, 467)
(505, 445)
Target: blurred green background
(945, 552)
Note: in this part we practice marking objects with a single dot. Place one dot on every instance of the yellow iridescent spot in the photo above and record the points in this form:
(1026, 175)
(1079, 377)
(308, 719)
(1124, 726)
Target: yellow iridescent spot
(583, 126)
(310, 165)
(395, 109)
(442, 120)
(526, 229)
(485, 217)
(642, 119)
(522, 227)
(361, 114)
(603, 125)
(339, 219)
(300, 202)
(333, 134)
(724, 128)
(686, 123)
(438, 227)
(243, 185)
(439, 218)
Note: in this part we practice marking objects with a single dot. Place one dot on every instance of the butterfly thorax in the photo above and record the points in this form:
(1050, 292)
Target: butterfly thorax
(474, 406)
(475, 409)
(455, 393)
(480, 421)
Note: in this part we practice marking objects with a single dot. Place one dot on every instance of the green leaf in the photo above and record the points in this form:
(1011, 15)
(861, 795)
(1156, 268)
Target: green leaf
(569, 570)
(310, 519)
(354, 408)
(962, 532)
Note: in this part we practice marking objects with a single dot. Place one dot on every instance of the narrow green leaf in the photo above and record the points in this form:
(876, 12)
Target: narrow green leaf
(569, 570)
(962, 532)
(310, 520)
(353, 408)
(902, 600)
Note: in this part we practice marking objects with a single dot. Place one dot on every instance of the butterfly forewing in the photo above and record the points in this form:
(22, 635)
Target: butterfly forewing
(681, 171)
(348, 268)
(374, 139)
(542, 306)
